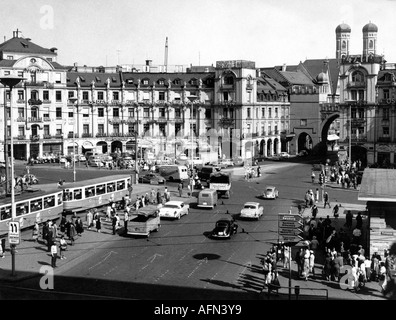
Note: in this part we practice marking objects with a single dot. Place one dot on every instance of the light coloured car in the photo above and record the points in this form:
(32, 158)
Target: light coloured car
(270, 192)
(284, 155)
(174, 209)
(152, 178)
(252, 210)
(226, 163)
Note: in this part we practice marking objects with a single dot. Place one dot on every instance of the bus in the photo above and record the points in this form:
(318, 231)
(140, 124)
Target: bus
(87, 194)
(40, 204)
(173, 172)
(221, 182)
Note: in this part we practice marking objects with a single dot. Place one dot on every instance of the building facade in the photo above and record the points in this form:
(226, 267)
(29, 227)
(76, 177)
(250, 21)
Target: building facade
(223, 111)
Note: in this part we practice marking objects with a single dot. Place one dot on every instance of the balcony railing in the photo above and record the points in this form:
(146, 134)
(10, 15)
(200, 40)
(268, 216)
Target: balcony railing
(70, 135)
(384, 139)
(21, 101)
(35, 137)
(47, 136)
(162, 120)
(35, 102)
(116, 134)
(46, 101)
(86, 135)
(34, 119)
(101, 135)
(21, 137)
(47, 119)
(59, 136)
(21, 119)
(357, 84)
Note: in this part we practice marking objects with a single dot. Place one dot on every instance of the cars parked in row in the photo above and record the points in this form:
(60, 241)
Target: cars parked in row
(152, 178)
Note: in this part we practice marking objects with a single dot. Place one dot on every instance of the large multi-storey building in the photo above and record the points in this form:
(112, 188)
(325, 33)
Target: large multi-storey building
(227, 110)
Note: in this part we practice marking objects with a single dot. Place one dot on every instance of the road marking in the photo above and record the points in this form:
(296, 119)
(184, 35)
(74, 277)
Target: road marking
(144, 267)
(111, 270)
(186, 254)
(230, 256)
(245, 266)
(204, 260)
(103, 260)
(161, 276)
(211, 279)
(155, 255)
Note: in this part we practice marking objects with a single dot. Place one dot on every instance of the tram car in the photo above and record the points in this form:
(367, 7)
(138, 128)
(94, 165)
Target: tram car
(44, 202)
(87, 194)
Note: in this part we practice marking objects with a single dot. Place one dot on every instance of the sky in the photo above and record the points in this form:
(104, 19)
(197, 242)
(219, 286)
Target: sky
(199, 32)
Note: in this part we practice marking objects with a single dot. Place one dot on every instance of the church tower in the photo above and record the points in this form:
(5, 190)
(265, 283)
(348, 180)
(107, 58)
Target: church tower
(343, 35)
(369, 39)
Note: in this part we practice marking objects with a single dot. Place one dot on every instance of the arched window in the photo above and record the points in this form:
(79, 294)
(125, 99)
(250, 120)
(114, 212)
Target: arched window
(371, 44)
(229, 80)
(343, 45)
(357, 76)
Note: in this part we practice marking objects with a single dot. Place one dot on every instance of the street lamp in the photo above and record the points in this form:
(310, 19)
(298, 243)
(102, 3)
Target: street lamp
(350, 135)
(73, 101)
(193, 100)
(10, 81)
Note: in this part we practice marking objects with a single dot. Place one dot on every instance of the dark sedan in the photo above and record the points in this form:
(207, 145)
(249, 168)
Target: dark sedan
(224, 228)
(152, 178)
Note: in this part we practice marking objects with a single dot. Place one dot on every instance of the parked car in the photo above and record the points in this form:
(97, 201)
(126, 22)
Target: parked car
(152, 178)
(284, 155)
(303, 153)
(226, 163)
(270, 192)
(81, 158)
(174, 209)
(252, 210)
(224, 228)
(238, 161)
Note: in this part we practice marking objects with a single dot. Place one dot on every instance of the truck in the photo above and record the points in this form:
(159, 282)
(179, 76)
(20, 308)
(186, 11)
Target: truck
(144, 221)
(221, 182)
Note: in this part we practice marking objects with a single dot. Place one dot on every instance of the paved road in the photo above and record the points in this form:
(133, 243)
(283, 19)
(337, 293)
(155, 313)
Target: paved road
(181, 262)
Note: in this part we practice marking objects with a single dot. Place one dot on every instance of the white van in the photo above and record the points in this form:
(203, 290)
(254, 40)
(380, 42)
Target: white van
(207, 198)
(95, 161)
(173, 172)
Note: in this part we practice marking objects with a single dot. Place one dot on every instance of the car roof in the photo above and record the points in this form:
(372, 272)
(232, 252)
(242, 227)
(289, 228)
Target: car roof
(174, 202)
(252, 203)
(269, 187)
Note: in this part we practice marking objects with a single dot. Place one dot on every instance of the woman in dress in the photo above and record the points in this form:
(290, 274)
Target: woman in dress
(72, 232)
(79, 226)
(97, 221)
(327, 266)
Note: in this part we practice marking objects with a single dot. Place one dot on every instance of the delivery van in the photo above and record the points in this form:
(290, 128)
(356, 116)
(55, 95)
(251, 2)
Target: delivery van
(207, 198)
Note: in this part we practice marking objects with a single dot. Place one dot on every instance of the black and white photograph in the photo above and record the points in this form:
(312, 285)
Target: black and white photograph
(198, 158)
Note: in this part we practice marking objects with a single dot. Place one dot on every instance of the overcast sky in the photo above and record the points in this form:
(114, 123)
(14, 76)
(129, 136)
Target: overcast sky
(200, 32)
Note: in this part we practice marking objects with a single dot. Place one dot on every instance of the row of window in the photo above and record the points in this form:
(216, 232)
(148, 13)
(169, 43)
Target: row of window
(77, 194)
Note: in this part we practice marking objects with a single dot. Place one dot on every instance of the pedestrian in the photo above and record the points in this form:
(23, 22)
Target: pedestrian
(312, 262)
(180, 189)
(36, 232)
(335, 211)
(79, 226)
(44, 235)
(72, 232)
(152, 196)
(98, 223)
(314, 211)
(338, 262)
(62, 247)
(137, 203)
(126, 219)
(159, 197)
(326, 200)
(317, 195)
(327, 266)
(313, 176)
(147, 199)
(89, 219)
(167, 195)
(108, 212)
(62, 226)
(359, 221)
(348, 219)
(299, 259)
(382, 276)
(2, 248)
(54, 254)
(305, 267)
(50, 234)
(299, 208)
(275, 284)
(286, 256)
(114, 223)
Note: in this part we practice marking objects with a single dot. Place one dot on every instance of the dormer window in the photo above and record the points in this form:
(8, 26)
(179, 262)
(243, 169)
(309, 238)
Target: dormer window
(193, 82)
(130, 81)
(177, 81)
(145, 82)
(82, 79)
(113, 79)
(161, 82)
(97, 79)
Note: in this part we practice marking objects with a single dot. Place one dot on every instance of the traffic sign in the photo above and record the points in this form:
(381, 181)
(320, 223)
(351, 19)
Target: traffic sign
(290, 224)
(14, 232)
(292, 238)
(290, 231)
(289, 227)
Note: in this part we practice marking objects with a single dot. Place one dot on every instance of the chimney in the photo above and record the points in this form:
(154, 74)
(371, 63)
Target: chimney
(284, 67)
(28, 39)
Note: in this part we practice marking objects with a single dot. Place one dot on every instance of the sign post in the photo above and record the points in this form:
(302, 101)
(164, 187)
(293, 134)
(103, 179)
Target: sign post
(14, 236)
(289, 229)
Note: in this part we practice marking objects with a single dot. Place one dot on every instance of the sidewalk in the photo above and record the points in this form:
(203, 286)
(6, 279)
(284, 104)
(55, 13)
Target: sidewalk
(315, 288)
(31, 256)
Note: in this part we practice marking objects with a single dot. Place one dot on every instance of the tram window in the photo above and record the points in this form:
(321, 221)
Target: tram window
(36, 205)
(22, 208)
(100, 189)
(5, 212)
(120, 185)
(89, 192)
(77, 194)
(49, 202)
(110, 187)
(67, 195)
(59, 198)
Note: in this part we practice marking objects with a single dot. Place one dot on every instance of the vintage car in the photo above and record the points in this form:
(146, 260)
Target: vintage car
(174, 209)
(224, 228)
(252, 210)
(270, 192)
(238, 161)
(152, 178)
(225, 163)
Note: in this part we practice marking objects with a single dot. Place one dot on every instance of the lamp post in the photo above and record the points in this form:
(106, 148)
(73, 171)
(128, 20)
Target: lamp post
(350, 136)
(74, 101)
(10, 81)
(193, 100)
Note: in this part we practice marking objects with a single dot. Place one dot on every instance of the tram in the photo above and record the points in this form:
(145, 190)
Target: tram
(39, 204)
(87, 194)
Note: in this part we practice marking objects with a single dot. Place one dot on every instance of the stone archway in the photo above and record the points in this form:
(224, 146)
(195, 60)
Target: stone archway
(304, 142)
(276, 146)
(269, 148)
(102, 147)
(116, 146)
(262, 147)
